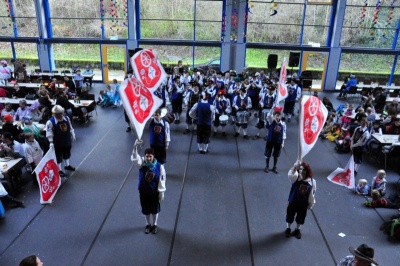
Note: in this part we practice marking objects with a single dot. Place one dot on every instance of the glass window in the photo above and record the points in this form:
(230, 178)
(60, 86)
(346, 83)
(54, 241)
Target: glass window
(316, 24)
(6, 23)
(25, 17)
(207, 59)
(27, 54)
(6, 52)
(65, 55)
(174, 22)
(258, 58)
(68, 28)
(362, 28)
(264, 25)
(208, 20)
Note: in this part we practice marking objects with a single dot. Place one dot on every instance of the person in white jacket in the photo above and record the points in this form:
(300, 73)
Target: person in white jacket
(301, 196)
(358, 140)
(151, 185)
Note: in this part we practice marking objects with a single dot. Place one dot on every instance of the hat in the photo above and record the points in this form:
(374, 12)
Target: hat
(219, 73)
(243, 88)
(221, 92)
(278, 109)
(8, 118)
(195, 69)
(57, 109)
(352, 76)
(176, 77)
(237, 79)
(195, 84)
(364, 252)
(256, 74)
(210, 81)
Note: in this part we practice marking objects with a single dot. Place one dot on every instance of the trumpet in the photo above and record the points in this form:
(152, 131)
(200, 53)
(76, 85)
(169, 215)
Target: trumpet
(246, 82)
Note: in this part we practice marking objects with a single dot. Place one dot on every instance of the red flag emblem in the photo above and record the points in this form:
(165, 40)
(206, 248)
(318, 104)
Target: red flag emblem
(49, 180)
(313, 120)
(148, 69)
(140, 99)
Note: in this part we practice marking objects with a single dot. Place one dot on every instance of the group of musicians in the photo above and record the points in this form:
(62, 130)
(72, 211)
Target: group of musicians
(234, 97)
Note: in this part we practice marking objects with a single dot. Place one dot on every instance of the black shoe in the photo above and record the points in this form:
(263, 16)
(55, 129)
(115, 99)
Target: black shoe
(224, 134)
(178, 121)
(154, 229)
(289, 119)
(297, 233)
(275, 170)
(128, 129)
(62, 174)
(236, 134)
(287, 232)
(246, 137)
(214, 134)
(256, 137)
(266, 169)
(283, 119)
(147, 229)
(203, 152)
(186, 131)
(70, 168)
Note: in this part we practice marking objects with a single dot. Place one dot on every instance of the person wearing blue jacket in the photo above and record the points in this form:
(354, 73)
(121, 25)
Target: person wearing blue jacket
(346, 87)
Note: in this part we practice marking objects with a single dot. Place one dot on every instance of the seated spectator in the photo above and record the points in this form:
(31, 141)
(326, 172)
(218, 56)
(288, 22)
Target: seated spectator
(343, 142)
(328, 104)
(21, 111)
(69, 83)
(378, 201)
(78, 79)
(70, 108)
(7, 110)
(33, 154)
(346, 87)
(380, 101)
(342, 108)
(105, 98)
(363, 188)
(370, 116)
(35, 113)
(88, 71)
(38, 133)
(392, 227)
(74, 67)
(379, 182)
(17, 92)
(347, 116)
(9, 126)
(53, 88)
(5, 72)
(6, 198)
(372, 144)
(394, 106)
(14, 149)
(368, 104)
(333, 133)
(44, 99)
(393, 128)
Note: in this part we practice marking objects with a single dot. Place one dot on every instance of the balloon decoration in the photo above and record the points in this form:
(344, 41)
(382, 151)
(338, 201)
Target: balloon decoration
(116, 12)
(389, 18)
(10, 14)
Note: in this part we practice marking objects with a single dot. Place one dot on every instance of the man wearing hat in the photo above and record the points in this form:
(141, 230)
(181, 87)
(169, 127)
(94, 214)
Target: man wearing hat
(222, 106)
(212, 90)
(176, 90)
(9, 126)
(301, 196)
(204, 112)
(294, 94)
(60, 133)
(192, 97)
(233, 91)
(196, 77)
(362, 256)
(266, 102)
(242, 103)
(275, 138)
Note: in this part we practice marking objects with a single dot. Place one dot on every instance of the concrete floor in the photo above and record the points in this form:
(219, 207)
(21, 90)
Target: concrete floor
(219, 208)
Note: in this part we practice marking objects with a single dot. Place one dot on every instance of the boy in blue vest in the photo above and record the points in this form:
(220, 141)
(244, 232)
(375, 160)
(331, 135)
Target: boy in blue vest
(151, 185)
(159, 137)
(60, 133)
(301, 196)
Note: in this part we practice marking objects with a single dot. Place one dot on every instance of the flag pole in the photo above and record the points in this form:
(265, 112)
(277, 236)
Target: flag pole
(299, 135)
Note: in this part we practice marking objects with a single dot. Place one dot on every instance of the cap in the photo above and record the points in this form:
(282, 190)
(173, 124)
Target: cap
(278, 109)
(352, 76)
(256, 74)
(8, 118)
(57, 109)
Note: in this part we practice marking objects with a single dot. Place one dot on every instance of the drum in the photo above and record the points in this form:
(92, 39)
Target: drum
(242, 117)
(223, 120)
(264, 115)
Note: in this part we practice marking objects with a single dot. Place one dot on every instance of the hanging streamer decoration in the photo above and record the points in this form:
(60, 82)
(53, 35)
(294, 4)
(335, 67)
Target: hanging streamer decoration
(125, 23)
(102, 13)
(114, 16)
(389, 18)
(234, 23)
(10, 14)
(274, 8)
(362, 17)
(246, 17)
(223, 26)
(375, 20)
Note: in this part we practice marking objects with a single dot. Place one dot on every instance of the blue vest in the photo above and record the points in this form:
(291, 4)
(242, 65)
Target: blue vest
(268, 101)
(221, 105)
(203, 114)
(300, 192)
(157, 134)
(275, 132)
(61, 132)
(148, 180)
(292, 93)
(238, 102)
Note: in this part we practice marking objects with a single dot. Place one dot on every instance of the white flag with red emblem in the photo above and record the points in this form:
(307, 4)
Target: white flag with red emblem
(139, 103)
(48, 177)
(148, 69)
(312, 119)
(282, 88)
(344, 177)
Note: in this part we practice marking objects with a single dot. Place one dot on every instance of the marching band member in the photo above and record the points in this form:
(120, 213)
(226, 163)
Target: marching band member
(233, 91)
(276, 137)
(159, 137)
(211, 90)
(204, 112)
(176, 91)
(294, 94)
(242, 103)
(192, 97)
(196, 77)
(266, 102)
(222, 107)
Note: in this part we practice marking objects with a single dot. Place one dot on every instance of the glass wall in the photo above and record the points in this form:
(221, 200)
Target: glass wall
(25, 16)
(27, 54)
(6, 51)
(316, 25)
(208, 20)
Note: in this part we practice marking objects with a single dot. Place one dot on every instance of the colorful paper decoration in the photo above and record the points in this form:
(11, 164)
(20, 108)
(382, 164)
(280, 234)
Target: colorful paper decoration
(363, 11)
(10, 14)
(389, 18)
(223, 26)
(234, 23)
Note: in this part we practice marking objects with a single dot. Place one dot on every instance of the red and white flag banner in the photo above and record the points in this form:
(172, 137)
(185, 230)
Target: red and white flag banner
(282, 87)
(344, 177)
(139, 103)
(48, 177)
(148, 69)
(312, 119)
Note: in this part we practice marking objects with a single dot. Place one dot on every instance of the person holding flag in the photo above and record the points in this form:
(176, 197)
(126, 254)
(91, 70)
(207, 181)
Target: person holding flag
(151, 185)
(301, 196)
(275, 138)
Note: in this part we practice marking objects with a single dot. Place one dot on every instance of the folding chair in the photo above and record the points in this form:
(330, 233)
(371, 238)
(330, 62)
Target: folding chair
(353, 91)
